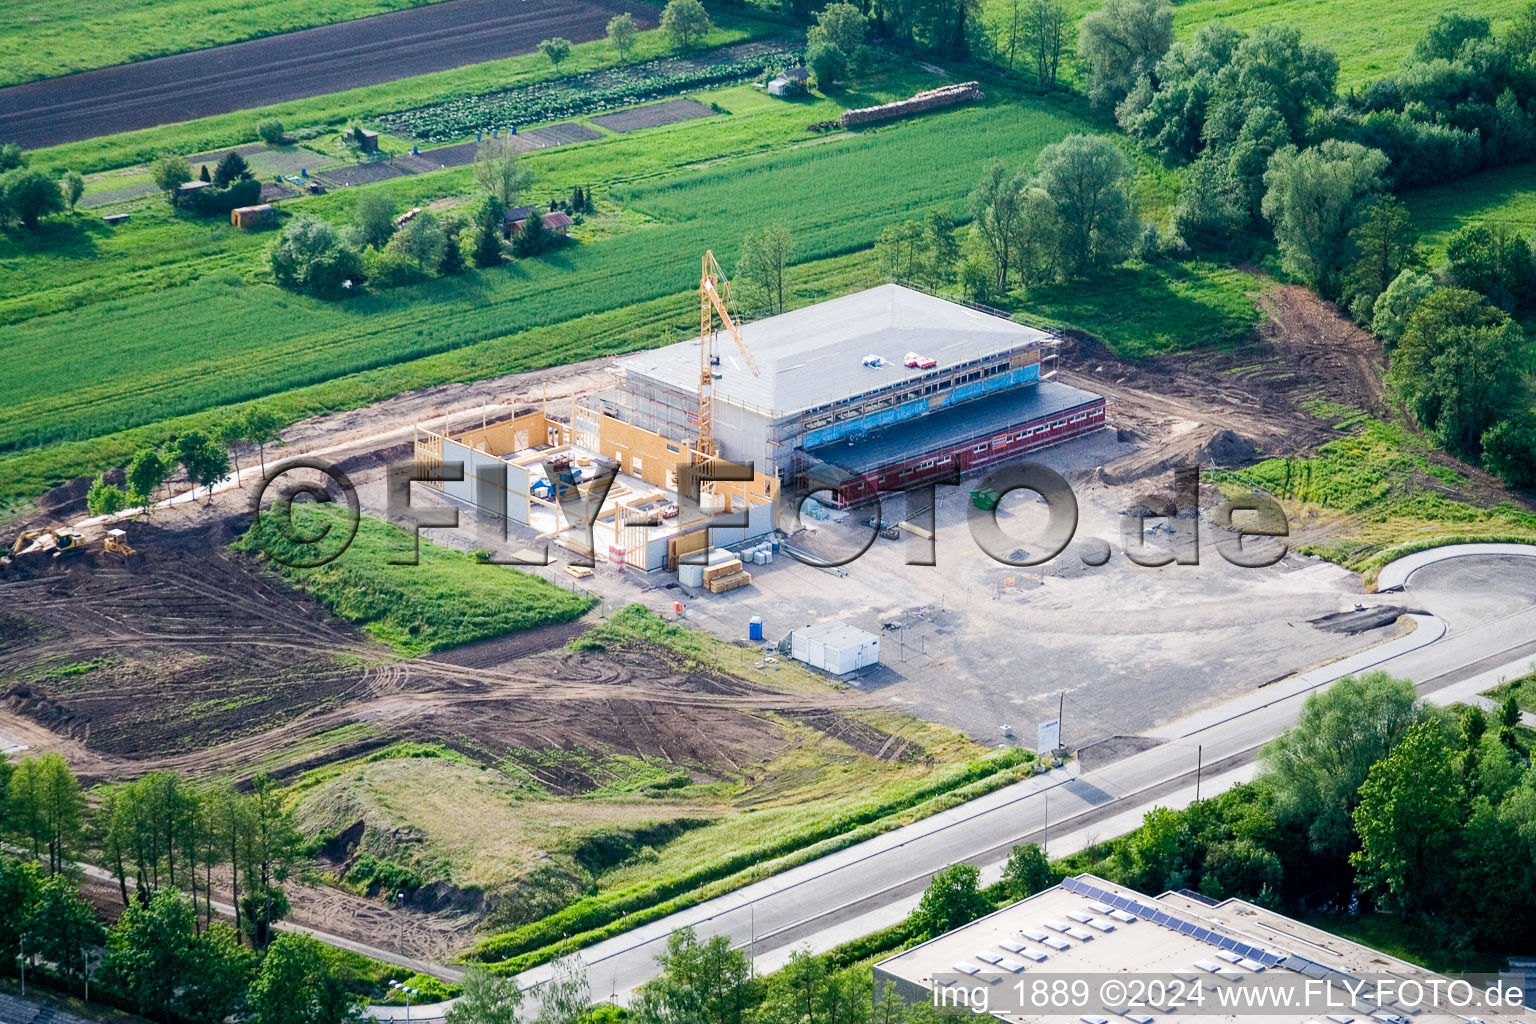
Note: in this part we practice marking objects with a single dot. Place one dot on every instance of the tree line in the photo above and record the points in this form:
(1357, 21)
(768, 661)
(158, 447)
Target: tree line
(169, 846)
(203, 455)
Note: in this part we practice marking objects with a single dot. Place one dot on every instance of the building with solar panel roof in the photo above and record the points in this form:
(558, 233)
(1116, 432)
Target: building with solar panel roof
(1179, 956)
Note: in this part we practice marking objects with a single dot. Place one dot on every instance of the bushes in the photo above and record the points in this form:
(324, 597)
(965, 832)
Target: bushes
(1509, 450)
(311, 258)
(374, 875)
(270, 131)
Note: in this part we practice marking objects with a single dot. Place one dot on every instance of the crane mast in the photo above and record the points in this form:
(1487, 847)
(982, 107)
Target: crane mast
(712, 303)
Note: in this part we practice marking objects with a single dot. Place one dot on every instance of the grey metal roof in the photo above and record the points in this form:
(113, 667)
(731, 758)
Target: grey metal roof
(978, 418)
(837, 634)
(812, 356)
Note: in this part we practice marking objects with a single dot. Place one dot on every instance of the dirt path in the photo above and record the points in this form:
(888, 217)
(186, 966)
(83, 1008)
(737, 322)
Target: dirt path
(295, 65)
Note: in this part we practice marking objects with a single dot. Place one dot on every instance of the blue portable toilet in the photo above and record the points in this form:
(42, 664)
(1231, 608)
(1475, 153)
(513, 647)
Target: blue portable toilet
(415, 151)
(514, 129)
(494, 131)
(304, 173)
(479, 136)
(755, 628)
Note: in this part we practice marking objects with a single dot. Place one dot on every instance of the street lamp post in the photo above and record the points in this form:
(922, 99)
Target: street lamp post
(408, 992)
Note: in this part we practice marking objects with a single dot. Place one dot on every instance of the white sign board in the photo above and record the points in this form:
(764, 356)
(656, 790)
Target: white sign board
(1048, 735)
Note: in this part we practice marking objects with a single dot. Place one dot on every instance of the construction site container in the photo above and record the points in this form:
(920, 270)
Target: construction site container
(835, 647)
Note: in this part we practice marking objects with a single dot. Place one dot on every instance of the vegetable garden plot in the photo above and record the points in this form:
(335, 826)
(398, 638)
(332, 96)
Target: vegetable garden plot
(653, 116)
(118, 195)
(590, 92)
(361, 174)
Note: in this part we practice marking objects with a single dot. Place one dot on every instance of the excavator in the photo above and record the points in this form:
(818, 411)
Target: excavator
(62, 539)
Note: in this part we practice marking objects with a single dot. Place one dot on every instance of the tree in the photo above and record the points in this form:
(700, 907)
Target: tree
(1383, 244)
(11, 157)
(953, 898)
(46, 809)
(104, 499)
(232, 168)
(685, 22)
(1457, 367)
(1085, 177)
(146, 471)
(764, 256)
(1395, 306)
(1312, 198)
(205, 460)
(169, 172)
(270, 130)
(19, 887)
(271, 851)
(1121, 41)
(841, 24)
(422, 241)
(1494, 261)
(375, 219)
(995, 212)
(72, 185)
(826, 63)
(532, 237)
(1316, 767)
(1209, 213)
(295, 985)
(622, 30)
(487, 248)
(556, 49)
(62, 927)
(1045, 36)
(486, 998)
(698, 983)
(29, 196)
(229, 433)
(1027, 872)
(564, 998)
(149, 952)
(310, 257)
(261, 429)
(1509, 450)
(219, 972)
(1410, 808)
(452, 260)
(499, 170)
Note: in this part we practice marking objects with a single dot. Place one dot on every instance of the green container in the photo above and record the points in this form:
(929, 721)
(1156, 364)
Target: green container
(984, 498)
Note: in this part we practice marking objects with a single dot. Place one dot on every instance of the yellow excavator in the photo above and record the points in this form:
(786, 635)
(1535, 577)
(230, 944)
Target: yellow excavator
(64, 539)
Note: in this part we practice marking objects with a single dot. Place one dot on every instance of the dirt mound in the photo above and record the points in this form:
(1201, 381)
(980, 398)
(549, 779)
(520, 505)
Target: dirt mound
(1227, 449)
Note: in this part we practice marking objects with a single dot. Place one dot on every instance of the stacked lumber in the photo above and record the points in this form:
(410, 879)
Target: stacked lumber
(944, 96)
(721, 584)
(723, 576)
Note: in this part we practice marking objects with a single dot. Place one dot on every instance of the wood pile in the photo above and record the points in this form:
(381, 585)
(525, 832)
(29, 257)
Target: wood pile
(944, 96)
(725, 576)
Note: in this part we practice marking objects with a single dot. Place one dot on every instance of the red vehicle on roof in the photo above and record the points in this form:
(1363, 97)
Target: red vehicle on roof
(919, 362)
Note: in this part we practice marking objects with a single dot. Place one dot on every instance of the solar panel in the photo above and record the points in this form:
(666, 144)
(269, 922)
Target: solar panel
(1187, 927)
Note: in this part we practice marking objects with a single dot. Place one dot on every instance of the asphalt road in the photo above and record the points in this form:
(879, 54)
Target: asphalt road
(294, 65)
(1478, 625)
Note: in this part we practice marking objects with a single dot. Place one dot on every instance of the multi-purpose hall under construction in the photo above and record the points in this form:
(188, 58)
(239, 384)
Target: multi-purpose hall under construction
(891, 387)
(893, 384)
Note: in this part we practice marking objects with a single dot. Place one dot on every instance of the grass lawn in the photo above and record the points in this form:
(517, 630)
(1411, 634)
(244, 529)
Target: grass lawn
(1377, 495)
(446, 600)
(1370, 37)
(1524, 689)
(1505, 196)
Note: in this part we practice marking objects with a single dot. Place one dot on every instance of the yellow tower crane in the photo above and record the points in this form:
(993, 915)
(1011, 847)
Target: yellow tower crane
(714, 298)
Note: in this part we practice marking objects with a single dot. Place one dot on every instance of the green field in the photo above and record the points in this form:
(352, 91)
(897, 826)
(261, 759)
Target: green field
(1505, 196)
(45, 38)
(444, 600)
